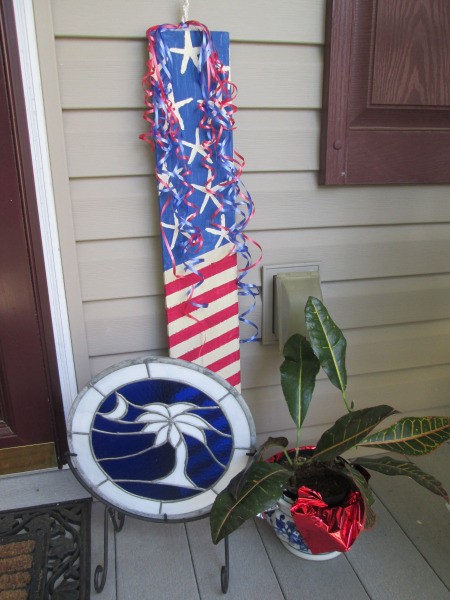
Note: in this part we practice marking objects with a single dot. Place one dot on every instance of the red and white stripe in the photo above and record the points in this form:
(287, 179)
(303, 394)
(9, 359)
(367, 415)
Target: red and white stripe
(209, 335)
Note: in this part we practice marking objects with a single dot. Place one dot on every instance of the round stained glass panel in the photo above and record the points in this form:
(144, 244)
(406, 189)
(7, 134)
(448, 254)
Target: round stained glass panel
(159, 438)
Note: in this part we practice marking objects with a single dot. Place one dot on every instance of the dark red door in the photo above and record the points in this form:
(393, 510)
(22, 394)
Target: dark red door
(31, 419)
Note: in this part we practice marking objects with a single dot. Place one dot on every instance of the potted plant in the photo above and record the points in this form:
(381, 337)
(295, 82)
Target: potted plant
(288, 489)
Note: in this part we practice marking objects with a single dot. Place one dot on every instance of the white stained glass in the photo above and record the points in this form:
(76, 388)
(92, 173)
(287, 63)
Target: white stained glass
(83, 411)
(238, 420)
(192, 506)
(84, 460)
(121, 377)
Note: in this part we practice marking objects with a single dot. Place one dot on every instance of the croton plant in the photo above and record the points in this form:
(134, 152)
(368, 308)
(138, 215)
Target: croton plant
(260, 485)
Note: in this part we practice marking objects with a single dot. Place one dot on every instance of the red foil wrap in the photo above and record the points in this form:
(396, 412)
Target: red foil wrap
(325, 528)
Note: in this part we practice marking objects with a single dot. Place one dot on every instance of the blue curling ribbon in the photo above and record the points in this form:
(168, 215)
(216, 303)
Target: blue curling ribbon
(217, 123)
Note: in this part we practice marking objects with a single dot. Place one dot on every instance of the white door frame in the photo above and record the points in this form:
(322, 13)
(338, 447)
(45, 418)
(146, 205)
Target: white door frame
(26, 35)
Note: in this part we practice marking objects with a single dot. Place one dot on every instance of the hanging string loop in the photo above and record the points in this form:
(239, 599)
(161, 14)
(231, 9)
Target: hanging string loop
(185, 8)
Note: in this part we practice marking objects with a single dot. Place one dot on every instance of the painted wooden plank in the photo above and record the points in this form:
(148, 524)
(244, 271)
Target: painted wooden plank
(132, 267)
(287, 21)
(251, 574)
(154, 561)
(126, 207)
(106, 143)
(328, 580)
(422, 515)
(267, 76)
(389, 566)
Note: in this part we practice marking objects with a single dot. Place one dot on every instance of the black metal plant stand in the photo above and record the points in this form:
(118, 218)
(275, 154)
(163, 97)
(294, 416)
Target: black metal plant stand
(101, 571)
(118, 519)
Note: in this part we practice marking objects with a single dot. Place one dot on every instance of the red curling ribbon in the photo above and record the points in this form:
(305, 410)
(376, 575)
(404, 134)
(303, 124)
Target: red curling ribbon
(218, 109)
(325, 528)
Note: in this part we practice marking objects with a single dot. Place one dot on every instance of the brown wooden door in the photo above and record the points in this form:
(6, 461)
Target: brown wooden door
(386, 102)
(31, 417)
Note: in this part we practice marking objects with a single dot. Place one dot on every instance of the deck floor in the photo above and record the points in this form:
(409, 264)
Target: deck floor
(406, 556)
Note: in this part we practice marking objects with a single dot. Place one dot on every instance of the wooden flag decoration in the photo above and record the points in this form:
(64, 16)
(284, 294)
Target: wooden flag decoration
(203, 209)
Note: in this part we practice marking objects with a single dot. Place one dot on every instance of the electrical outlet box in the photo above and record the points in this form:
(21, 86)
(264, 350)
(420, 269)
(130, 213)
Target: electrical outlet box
(269, 273)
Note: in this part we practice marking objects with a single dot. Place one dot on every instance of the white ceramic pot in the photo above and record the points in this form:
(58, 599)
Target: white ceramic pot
(279, 518)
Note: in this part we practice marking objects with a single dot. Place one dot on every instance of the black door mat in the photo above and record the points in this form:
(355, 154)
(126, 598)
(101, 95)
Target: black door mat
(50, 548)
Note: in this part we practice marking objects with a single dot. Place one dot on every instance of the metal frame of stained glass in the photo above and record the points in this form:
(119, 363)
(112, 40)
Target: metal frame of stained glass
(159, 438)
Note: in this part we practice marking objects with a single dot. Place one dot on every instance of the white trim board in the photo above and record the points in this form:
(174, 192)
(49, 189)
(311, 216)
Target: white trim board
(34, 103)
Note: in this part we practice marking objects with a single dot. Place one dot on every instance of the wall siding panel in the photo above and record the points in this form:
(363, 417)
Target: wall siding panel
(383, 251)
(132, 267)
(122, 65)
(126, 207)
(365, 390)
(106, 143)
(285, 21)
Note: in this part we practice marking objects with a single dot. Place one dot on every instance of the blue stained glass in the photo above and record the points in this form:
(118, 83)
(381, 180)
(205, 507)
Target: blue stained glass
(147, 428)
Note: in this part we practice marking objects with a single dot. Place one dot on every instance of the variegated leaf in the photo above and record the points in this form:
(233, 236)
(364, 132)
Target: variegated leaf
(327, 341)
(237, 483)
(349, 430)
(263, 487)
(412, 436)
(361, 483)
(391, 466)
(298, 376)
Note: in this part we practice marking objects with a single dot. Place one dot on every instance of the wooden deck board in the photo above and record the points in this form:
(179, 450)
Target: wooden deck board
(251, 574)
(390, 566)
(406, 555)
(154, 561)
(308, 580)
(421, 515)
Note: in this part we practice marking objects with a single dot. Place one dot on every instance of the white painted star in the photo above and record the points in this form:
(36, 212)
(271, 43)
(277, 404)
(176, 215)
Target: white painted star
(189, 52)
(210, 194)
(175, 228)
(197, 148)
(177, 105)
(221, 232)
(165, 178)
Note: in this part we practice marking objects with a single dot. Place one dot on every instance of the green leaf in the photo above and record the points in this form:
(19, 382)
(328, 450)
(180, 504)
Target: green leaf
(298, 376)
(361, 484)
(349, 430)
(237, 483)
(264, 485)
(391, 466)
(412, 436)
(281, 442)
(327, 341)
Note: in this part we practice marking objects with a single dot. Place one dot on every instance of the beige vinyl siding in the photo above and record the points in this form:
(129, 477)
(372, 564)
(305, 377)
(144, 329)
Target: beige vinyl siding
(383, 251)
(286, 21)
